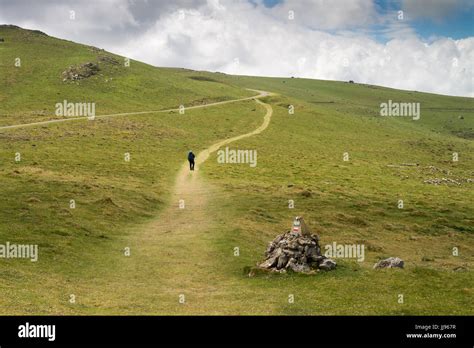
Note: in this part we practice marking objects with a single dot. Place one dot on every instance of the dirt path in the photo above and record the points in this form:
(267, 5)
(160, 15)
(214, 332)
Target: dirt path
(82, 118)
(191, 189)
(173, 255)
(183, 233)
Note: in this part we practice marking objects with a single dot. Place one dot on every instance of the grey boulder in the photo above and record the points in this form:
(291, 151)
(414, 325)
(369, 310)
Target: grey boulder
(391, 262)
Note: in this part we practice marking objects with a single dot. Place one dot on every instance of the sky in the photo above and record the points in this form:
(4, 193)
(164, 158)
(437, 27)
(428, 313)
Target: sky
(423, 45)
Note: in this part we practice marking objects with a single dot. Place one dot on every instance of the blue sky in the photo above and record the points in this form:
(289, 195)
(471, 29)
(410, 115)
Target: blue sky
(457, 22)
(458, 27)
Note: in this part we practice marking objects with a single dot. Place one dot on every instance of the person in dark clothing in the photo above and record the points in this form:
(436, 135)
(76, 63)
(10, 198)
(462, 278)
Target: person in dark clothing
(191, 160)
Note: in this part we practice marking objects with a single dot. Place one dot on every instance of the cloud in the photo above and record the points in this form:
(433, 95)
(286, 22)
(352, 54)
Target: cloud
(234, 38)
(437, 10)
(325, 40)
(96, 22)
(328, 14)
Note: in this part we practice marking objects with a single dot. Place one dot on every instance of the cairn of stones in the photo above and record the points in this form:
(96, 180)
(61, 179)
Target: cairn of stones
(297, 250)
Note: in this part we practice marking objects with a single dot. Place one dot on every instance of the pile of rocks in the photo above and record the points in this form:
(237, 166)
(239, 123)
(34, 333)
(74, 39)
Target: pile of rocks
(391, 262)
(79, 72)
(297, 250)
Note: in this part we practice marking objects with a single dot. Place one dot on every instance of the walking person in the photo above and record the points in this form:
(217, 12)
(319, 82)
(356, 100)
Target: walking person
(191, 160)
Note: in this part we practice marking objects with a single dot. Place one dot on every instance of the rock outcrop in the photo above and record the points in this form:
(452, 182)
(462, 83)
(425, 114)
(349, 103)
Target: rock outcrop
(391, 262)
(79, 72)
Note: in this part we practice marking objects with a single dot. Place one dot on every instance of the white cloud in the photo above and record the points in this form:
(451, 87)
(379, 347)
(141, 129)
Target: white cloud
(329, 14)
(235, 38)
(92, 21)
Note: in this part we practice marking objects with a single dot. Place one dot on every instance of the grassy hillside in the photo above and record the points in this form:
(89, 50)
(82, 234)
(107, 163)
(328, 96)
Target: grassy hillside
(29, 92)
(300, 157)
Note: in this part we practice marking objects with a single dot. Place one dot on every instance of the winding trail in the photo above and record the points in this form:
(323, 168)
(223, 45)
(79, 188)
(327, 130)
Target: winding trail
(204, 155)
(174, 254)
(82, 118)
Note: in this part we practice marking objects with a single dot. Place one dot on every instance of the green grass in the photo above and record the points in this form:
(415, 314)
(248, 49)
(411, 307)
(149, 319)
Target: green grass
(30, 92)
(300, 157)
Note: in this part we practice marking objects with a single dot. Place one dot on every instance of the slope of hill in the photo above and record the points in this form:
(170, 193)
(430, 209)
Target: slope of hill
(123, 204)
(30, 91)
